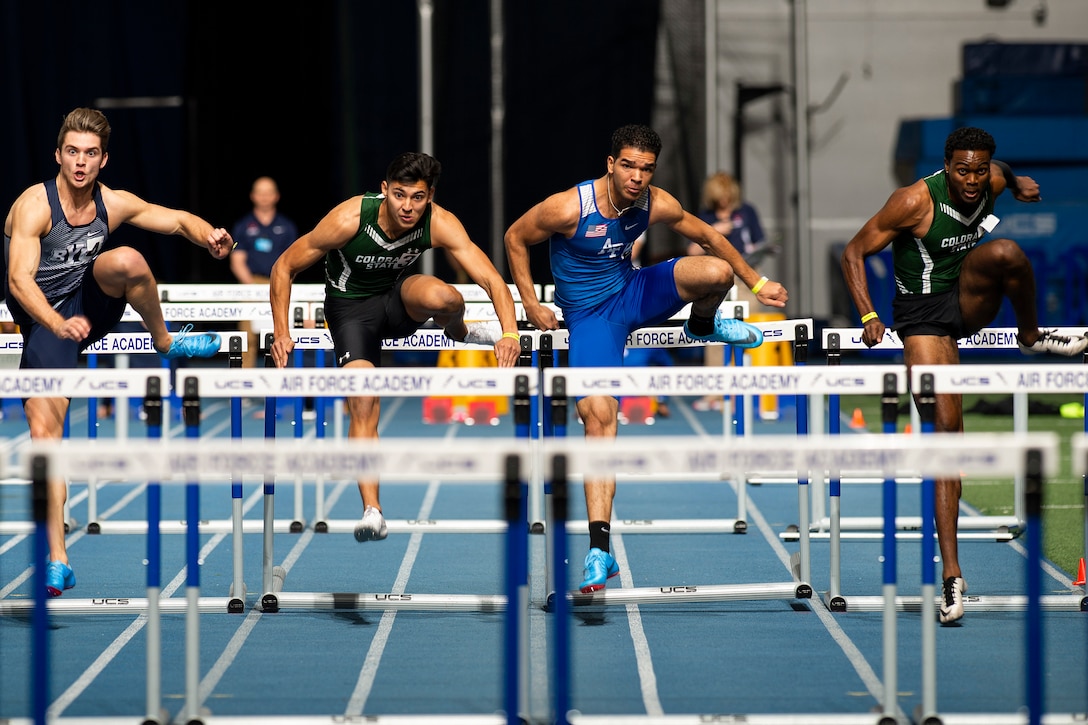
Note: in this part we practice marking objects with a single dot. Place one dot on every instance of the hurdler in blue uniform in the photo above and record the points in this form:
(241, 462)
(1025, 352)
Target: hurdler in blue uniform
(591, 229)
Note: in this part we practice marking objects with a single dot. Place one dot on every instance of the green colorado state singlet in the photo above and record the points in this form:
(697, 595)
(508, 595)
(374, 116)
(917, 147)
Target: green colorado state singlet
(371, 262)
(932, 263)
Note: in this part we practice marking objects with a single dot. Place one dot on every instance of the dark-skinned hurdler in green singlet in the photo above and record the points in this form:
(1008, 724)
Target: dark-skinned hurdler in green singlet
(932, 263)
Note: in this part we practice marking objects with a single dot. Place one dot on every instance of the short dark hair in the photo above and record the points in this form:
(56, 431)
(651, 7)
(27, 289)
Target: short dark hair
(410, 167)
(635, 136)
(968, 138)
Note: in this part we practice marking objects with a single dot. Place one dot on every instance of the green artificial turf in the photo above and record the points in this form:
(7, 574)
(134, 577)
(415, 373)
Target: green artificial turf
(1063, 495)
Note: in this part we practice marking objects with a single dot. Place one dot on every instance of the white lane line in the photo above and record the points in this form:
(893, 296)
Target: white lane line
(80, 533)
(234, 646)
(58, 706)
(647, 679)
(103, 660)
(853, 655)
(369, 671)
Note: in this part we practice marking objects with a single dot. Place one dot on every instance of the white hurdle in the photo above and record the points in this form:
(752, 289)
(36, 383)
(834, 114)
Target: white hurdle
(78, 383)
(561, 384)
(185, 461)
(731, 381)
(1020, 380)
(456, 381)
(340, 382)
(927, 456)
(982, 528)
(118, 382)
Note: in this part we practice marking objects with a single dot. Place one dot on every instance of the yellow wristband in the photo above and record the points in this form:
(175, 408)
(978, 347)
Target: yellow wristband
(869, 316)
(759, 285)
(512, 336)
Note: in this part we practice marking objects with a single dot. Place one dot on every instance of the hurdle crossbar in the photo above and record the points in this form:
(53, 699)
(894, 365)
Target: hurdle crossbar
(967, 378)
(731, 381)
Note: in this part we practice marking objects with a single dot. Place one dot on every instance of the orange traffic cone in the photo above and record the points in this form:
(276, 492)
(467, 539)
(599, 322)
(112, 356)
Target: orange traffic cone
(907, 428)
(858, 421)
(1080, 574)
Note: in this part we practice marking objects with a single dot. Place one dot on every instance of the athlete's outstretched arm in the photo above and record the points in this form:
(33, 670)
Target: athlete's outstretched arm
(448, 233)
(332, 232)
(665, 208)
(558, 214)
(905, 209)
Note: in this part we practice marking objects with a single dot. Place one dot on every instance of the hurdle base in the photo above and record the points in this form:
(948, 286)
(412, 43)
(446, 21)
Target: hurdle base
(972, 603)
(129, 606)
(386, 601)
(427, 526)
(792, 534)
(1008, 718)
(667, 526)
(685, 594)
(1001, 524)
(224, 526)
(210, 719)
(860, 718)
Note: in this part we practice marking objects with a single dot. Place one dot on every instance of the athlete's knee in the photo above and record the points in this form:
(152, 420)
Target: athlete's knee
(719, 274)
(444, 299)
(1006, 252)
(124, 262)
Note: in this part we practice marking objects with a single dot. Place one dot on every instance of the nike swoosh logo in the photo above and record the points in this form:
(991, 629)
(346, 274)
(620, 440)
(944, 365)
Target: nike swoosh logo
(629, 226)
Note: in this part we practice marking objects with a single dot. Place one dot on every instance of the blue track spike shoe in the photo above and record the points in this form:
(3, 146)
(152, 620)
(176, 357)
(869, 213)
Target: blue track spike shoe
(58, 577)
(371, 527)
(952, 599)
(188, 344)
(730, 331)
(600, 566)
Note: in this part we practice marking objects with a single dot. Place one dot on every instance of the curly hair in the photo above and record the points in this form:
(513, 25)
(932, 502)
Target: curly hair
(635, 136)
(968, 138)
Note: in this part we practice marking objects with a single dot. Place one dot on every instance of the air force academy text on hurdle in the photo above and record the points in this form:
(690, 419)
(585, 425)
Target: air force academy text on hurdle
(378, 382)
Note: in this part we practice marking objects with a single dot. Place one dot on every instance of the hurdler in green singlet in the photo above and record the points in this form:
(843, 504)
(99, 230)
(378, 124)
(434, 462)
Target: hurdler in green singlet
(371, 263)
(932, 263)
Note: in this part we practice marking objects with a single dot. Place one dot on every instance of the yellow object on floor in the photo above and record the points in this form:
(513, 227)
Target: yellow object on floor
(769, 353)
(466, 408)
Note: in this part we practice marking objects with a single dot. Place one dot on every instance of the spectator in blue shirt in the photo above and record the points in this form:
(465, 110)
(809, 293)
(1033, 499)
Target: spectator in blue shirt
(261, 236)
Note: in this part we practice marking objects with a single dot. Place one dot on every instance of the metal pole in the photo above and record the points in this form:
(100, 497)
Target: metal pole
(803, 249)
(498, 118)
(426, 93)
(711, 90)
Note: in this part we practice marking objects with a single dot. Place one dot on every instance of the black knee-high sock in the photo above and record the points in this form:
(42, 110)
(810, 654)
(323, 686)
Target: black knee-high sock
(699, 325)
(599, 535)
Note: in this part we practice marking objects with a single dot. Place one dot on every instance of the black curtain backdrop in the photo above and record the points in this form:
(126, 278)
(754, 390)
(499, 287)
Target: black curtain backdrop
(575, 72)
(320, 96)
(61, 55)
